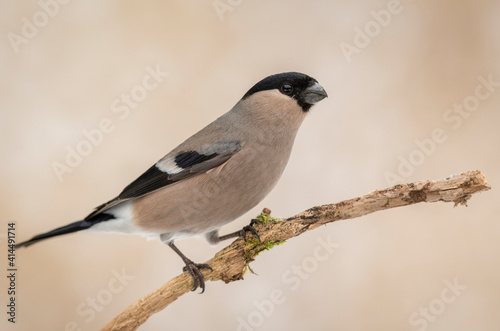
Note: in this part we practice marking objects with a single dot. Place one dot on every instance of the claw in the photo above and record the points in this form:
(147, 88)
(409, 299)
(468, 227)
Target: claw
(254, 221)
(251, 229)
(240, 233)
(194, 271)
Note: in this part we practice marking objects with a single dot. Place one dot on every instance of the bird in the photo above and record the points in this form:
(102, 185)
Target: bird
(213, 177)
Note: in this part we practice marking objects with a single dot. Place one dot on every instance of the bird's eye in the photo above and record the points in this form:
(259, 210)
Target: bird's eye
(286, 88)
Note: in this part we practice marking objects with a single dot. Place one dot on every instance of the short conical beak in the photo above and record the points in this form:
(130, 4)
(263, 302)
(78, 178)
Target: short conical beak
(314, 94)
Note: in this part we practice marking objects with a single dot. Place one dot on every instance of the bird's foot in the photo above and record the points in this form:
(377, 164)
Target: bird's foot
(194, 271)
(214, 238)
(250, 228)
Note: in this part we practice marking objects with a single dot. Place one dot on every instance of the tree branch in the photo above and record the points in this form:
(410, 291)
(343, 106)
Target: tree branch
(231, 262)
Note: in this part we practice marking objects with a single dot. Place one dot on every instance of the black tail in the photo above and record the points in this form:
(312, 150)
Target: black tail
(70, 228)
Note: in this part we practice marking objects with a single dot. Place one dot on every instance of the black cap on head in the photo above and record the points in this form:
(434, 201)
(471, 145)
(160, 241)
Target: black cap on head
(301, 87)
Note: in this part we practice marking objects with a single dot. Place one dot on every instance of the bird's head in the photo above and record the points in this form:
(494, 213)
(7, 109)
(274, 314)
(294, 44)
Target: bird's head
(305, 90)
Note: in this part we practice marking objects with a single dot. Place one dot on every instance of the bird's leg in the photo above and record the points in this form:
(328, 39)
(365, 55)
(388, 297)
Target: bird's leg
(192, 268)
(214, 238)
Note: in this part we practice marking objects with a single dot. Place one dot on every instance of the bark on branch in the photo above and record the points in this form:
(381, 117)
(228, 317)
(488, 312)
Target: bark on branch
(230, 263)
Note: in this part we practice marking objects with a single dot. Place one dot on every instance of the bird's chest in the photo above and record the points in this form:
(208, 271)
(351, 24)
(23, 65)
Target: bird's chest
(256, 169)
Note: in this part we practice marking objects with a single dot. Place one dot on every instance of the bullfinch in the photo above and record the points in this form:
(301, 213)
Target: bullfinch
(213, 177)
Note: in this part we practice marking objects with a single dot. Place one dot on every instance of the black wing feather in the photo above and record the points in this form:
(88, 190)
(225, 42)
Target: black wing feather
(149, 181)
(188, 159)
(154, 178)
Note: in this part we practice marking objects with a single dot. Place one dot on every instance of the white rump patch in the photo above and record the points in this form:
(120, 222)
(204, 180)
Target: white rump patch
(122, 223)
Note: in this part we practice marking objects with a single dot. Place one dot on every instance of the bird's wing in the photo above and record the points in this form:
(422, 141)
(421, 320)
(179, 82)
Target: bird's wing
(175, 167)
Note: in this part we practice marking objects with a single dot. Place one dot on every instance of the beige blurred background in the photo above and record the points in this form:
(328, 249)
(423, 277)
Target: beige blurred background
(424, 267)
